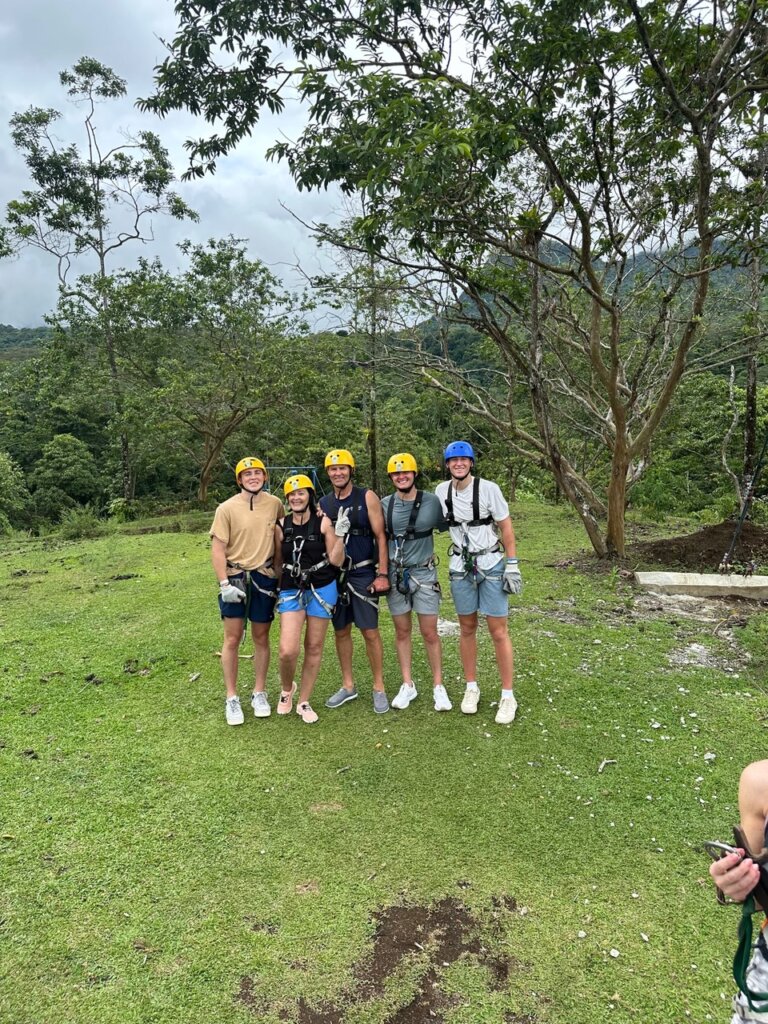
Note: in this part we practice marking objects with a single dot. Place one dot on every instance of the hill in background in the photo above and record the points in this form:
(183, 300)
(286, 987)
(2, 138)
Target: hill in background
(18, 343)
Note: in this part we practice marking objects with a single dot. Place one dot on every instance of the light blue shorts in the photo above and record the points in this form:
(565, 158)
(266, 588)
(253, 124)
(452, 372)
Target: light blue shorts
(481, 593)
(318, 602)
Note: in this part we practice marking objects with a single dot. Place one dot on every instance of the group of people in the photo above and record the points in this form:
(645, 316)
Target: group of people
(330, 560)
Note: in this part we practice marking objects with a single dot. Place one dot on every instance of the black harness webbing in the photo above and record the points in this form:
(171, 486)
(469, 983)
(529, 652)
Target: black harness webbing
(302, 576)
(410, 532)
(475, 520)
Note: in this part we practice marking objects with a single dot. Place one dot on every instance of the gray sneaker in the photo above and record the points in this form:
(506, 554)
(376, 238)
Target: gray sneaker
(341, 696)
(380, 702)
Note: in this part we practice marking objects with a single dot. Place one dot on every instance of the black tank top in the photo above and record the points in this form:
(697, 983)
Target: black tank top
(303, 547)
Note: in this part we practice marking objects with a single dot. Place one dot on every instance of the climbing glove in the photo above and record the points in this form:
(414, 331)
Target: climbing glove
(230, 594)
(342, 525)
(513, 581)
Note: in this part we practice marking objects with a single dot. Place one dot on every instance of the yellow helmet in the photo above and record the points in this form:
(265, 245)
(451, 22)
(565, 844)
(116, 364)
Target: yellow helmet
(340, 457)
(296, 483)
(403, 462)
(250, 462)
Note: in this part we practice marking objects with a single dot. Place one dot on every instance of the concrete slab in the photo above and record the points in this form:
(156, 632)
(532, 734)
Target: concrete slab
(700, 584)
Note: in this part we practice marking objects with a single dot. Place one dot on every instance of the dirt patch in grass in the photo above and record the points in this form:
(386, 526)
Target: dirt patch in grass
(434, 937)
(323, 1015)
(444, 931)
(247, 997)
(702, 551)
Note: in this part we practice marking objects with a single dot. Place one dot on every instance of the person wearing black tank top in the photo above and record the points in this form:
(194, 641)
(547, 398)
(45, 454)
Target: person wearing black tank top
(364, 576)
(736, 875)
(312, 550)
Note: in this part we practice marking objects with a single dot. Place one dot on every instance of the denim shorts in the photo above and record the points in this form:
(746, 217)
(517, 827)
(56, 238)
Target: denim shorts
(424, 594)
(261, 608)
(356, 610)
(481, 593)
(307, 601)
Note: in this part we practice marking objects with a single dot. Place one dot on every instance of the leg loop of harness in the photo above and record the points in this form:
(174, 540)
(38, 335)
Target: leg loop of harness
(363, 597)
(327, 608)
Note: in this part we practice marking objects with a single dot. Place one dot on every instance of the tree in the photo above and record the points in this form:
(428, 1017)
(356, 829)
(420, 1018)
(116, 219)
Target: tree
(203, 352)
(65, 475)
(560, 173)
(14, 496)
(90, 203)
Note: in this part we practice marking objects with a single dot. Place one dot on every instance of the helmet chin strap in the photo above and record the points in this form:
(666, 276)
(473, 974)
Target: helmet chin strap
(253, 494)
(405, 490)
(337, 490)
(460, 478)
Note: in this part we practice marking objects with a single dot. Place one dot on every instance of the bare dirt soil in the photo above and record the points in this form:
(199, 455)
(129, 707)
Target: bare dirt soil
(436, 936)
(703, 551)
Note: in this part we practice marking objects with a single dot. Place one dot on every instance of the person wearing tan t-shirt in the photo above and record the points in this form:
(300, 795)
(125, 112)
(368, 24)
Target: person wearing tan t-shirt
(246, 559)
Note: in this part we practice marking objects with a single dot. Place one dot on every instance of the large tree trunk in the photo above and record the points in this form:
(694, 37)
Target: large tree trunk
(617, 500)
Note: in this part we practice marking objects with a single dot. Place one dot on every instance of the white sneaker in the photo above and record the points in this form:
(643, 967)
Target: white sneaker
(441, 699)
(260, 705)
(470, 700)
(507, 708)
(233, 711)
(405, 695)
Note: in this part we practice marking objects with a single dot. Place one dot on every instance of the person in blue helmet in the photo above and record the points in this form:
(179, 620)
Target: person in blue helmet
(483, 571)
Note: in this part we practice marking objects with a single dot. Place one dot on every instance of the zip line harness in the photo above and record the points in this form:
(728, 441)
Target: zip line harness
(406, 583)
(303, 577)
(468, 556)
(248, 585)
(356, 529)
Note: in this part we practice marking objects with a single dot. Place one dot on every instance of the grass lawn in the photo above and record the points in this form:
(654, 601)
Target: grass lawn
(157, 866)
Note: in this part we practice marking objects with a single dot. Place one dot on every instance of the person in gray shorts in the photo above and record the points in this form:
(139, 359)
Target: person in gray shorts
(410, 517)
(737, 875)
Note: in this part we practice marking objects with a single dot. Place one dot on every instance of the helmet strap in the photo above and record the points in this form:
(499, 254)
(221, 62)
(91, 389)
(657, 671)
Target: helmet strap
(253, 494)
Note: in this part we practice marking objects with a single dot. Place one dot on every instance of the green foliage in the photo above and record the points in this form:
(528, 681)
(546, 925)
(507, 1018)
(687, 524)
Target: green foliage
(81, 524)
(14, 496)
(563, 181)
(21, 342)
(93, 201)
(66, 474)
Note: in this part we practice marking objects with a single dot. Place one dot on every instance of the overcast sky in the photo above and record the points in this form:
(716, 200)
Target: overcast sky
(38, 39)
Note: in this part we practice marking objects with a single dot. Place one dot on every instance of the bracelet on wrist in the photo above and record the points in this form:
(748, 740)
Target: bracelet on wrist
(382, 576)
(511, 561)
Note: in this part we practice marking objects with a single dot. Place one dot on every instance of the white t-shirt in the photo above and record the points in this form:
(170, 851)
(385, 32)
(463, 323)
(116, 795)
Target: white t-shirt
(492, 503)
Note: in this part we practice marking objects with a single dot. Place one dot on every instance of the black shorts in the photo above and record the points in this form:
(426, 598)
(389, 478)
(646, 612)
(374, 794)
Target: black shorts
(362, 611)
(261, 608)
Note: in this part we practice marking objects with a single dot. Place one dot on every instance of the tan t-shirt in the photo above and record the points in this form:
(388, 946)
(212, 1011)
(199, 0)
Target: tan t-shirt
(248, 533)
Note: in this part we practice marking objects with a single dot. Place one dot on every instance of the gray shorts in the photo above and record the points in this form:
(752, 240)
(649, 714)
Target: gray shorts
(757, 981)
(423, 595)
(482, 593)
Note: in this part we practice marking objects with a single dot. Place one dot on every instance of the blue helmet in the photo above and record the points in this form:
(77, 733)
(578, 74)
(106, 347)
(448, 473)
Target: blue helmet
(459, 450)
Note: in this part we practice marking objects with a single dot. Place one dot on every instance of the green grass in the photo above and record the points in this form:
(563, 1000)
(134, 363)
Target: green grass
(151, 857)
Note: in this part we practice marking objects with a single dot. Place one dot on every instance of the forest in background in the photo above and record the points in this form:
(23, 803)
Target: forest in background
(559, 257)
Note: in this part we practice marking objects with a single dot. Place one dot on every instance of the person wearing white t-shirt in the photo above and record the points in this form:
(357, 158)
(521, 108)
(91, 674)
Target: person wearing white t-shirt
(483, 571)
